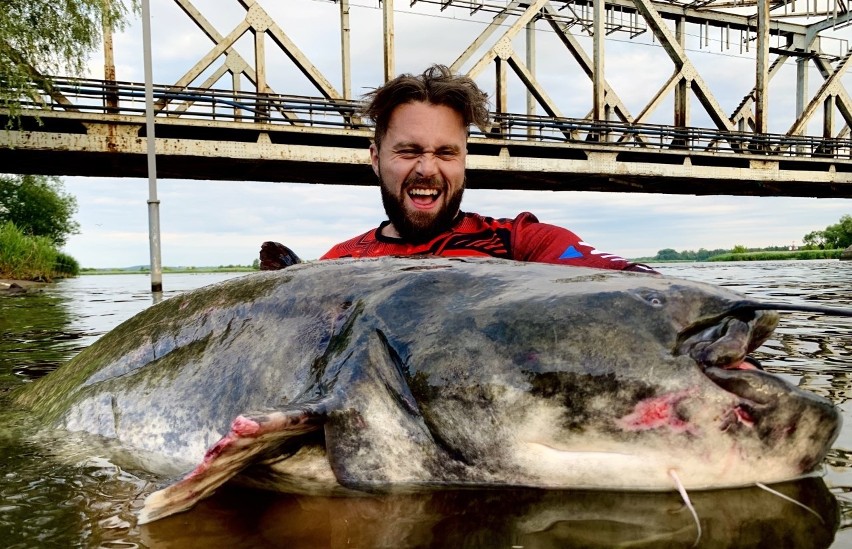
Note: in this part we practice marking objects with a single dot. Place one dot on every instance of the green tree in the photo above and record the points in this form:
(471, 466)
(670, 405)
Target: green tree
(837, 236)
(814, 240)
(667, 254)
(43, 38)
(39, 206)
(739, 249)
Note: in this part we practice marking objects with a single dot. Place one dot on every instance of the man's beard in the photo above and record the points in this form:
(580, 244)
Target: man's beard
(419, 227)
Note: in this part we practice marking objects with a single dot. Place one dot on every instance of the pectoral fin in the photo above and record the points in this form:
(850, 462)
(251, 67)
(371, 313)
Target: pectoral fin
(251, 435)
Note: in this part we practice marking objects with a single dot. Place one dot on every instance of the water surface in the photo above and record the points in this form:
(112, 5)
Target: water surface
(63, 497)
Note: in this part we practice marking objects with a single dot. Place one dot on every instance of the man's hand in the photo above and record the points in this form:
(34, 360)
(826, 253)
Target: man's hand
(274, 256)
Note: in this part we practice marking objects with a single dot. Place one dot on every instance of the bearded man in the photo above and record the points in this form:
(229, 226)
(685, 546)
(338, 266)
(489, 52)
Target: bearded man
(418, 153)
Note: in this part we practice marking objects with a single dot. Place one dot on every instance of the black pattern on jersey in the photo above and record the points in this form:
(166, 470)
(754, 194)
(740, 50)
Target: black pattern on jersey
(493, 242)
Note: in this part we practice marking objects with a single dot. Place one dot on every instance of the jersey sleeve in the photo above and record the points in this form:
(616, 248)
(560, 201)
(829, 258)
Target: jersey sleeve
(544, 243)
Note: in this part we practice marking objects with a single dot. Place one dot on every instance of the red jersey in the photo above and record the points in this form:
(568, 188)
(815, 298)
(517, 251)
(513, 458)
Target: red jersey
(521, 239)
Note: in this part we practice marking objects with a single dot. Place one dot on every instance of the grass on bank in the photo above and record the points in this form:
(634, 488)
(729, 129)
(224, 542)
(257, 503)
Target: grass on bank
(26, 257)
(754, 256)
(775, 256)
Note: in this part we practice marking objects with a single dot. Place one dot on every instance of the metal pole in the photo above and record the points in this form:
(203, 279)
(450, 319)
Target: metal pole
(761, 98)
(531, 101)
(599, 113)
(153, 202)
(387, 16)
(345, 49)
(111, 97)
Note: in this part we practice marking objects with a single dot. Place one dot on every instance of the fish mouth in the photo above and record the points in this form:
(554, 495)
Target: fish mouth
(721, 348)
(726, 342)
(764, 402)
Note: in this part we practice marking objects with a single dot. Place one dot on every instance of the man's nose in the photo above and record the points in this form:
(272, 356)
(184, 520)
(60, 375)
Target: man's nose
(427, 165)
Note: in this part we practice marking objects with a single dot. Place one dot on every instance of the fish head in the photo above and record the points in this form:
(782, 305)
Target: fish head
(769, 416)
(642, 376)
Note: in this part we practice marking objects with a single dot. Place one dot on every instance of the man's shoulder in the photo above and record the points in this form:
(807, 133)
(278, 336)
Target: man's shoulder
(471, 219)
(347, 247)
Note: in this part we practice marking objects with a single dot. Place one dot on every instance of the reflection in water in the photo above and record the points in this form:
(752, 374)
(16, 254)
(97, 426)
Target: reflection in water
(53, 498)
(35, 336)
(41, 330)
(506, 518)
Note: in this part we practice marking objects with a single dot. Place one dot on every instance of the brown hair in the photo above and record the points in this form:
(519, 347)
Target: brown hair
(437, 85)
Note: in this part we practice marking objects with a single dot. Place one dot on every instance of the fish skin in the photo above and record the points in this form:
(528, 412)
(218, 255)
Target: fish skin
(448, 372)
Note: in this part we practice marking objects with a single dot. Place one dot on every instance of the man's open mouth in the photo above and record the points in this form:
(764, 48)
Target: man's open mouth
(423, 197)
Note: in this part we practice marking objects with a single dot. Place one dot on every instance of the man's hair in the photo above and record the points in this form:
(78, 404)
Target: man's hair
(437, 85)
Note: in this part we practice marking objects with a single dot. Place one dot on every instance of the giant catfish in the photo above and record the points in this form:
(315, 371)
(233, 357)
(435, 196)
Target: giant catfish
(407, 374)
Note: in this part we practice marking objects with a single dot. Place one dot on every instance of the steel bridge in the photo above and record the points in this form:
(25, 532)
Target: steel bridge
(215, 129)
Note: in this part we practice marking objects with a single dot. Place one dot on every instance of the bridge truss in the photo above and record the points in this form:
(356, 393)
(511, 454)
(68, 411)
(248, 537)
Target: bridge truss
(225, 117)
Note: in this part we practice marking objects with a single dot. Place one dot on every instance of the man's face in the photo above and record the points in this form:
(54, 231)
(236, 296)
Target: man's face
(421, 169)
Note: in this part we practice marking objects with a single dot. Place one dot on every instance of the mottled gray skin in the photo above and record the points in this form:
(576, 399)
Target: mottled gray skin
(453, 372)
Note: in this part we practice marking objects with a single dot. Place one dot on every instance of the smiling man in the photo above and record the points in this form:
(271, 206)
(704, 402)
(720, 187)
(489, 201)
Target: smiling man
(418, 154)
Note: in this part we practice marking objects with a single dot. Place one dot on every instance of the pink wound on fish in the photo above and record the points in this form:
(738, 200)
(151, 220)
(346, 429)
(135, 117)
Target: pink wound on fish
(244, 426)
(657, 412)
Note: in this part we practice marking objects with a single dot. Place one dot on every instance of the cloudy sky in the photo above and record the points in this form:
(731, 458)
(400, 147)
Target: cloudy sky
(220, 223)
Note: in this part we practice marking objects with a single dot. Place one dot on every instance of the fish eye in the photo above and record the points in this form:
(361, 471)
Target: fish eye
(650, 297)
(654, 300)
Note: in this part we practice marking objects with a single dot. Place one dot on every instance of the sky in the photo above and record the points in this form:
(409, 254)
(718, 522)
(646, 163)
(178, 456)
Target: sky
(209, 223)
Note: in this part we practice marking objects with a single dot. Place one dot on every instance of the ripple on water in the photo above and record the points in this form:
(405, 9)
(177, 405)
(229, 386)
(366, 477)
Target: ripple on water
(57, 498)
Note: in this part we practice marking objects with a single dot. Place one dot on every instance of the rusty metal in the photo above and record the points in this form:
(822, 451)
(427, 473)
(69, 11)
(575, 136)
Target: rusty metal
(225, 127)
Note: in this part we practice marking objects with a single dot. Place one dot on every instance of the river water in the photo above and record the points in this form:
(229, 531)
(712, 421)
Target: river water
(64, 497)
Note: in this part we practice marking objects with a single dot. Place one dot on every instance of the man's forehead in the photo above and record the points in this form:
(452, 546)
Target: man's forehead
(418, 121)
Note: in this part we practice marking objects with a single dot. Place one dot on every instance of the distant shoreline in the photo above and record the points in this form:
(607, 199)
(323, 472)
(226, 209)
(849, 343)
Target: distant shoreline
(6, 284)
(169, 270)
(797, 255)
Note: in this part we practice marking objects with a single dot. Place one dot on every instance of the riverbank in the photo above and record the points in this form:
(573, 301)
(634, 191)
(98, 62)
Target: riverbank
(10, 286)
(795, 255)
(172, 270)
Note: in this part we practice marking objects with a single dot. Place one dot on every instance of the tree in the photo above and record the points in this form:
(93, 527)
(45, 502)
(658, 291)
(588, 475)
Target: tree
(839, 235)
(814, 240)
(43, 38)
(38, 206)
(667, 254)
(833, 237)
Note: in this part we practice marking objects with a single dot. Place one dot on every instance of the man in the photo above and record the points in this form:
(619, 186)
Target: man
(418, 154)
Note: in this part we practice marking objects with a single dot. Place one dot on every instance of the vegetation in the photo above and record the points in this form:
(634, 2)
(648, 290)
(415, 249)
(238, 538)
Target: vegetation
(776, 256)
(38, 206)
(41, 38)
(25, 257)
(146, 269)
(668, 254)
(35, 220)
(825, 244)
(834, 236)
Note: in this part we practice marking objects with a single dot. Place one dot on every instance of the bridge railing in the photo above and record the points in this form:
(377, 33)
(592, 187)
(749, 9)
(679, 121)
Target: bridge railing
(128, 98)
(665, 138)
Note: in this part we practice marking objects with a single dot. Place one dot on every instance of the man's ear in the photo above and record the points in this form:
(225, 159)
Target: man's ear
(374, 158)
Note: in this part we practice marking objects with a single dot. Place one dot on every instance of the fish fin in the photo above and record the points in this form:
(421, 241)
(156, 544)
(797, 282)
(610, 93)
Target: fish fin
(274, 256)
(249, 437)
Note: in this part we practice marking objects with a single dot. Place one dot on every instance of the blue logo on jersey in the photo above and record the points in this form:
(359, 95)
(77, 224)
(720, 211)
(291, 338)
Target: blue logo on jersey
(570, 253)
